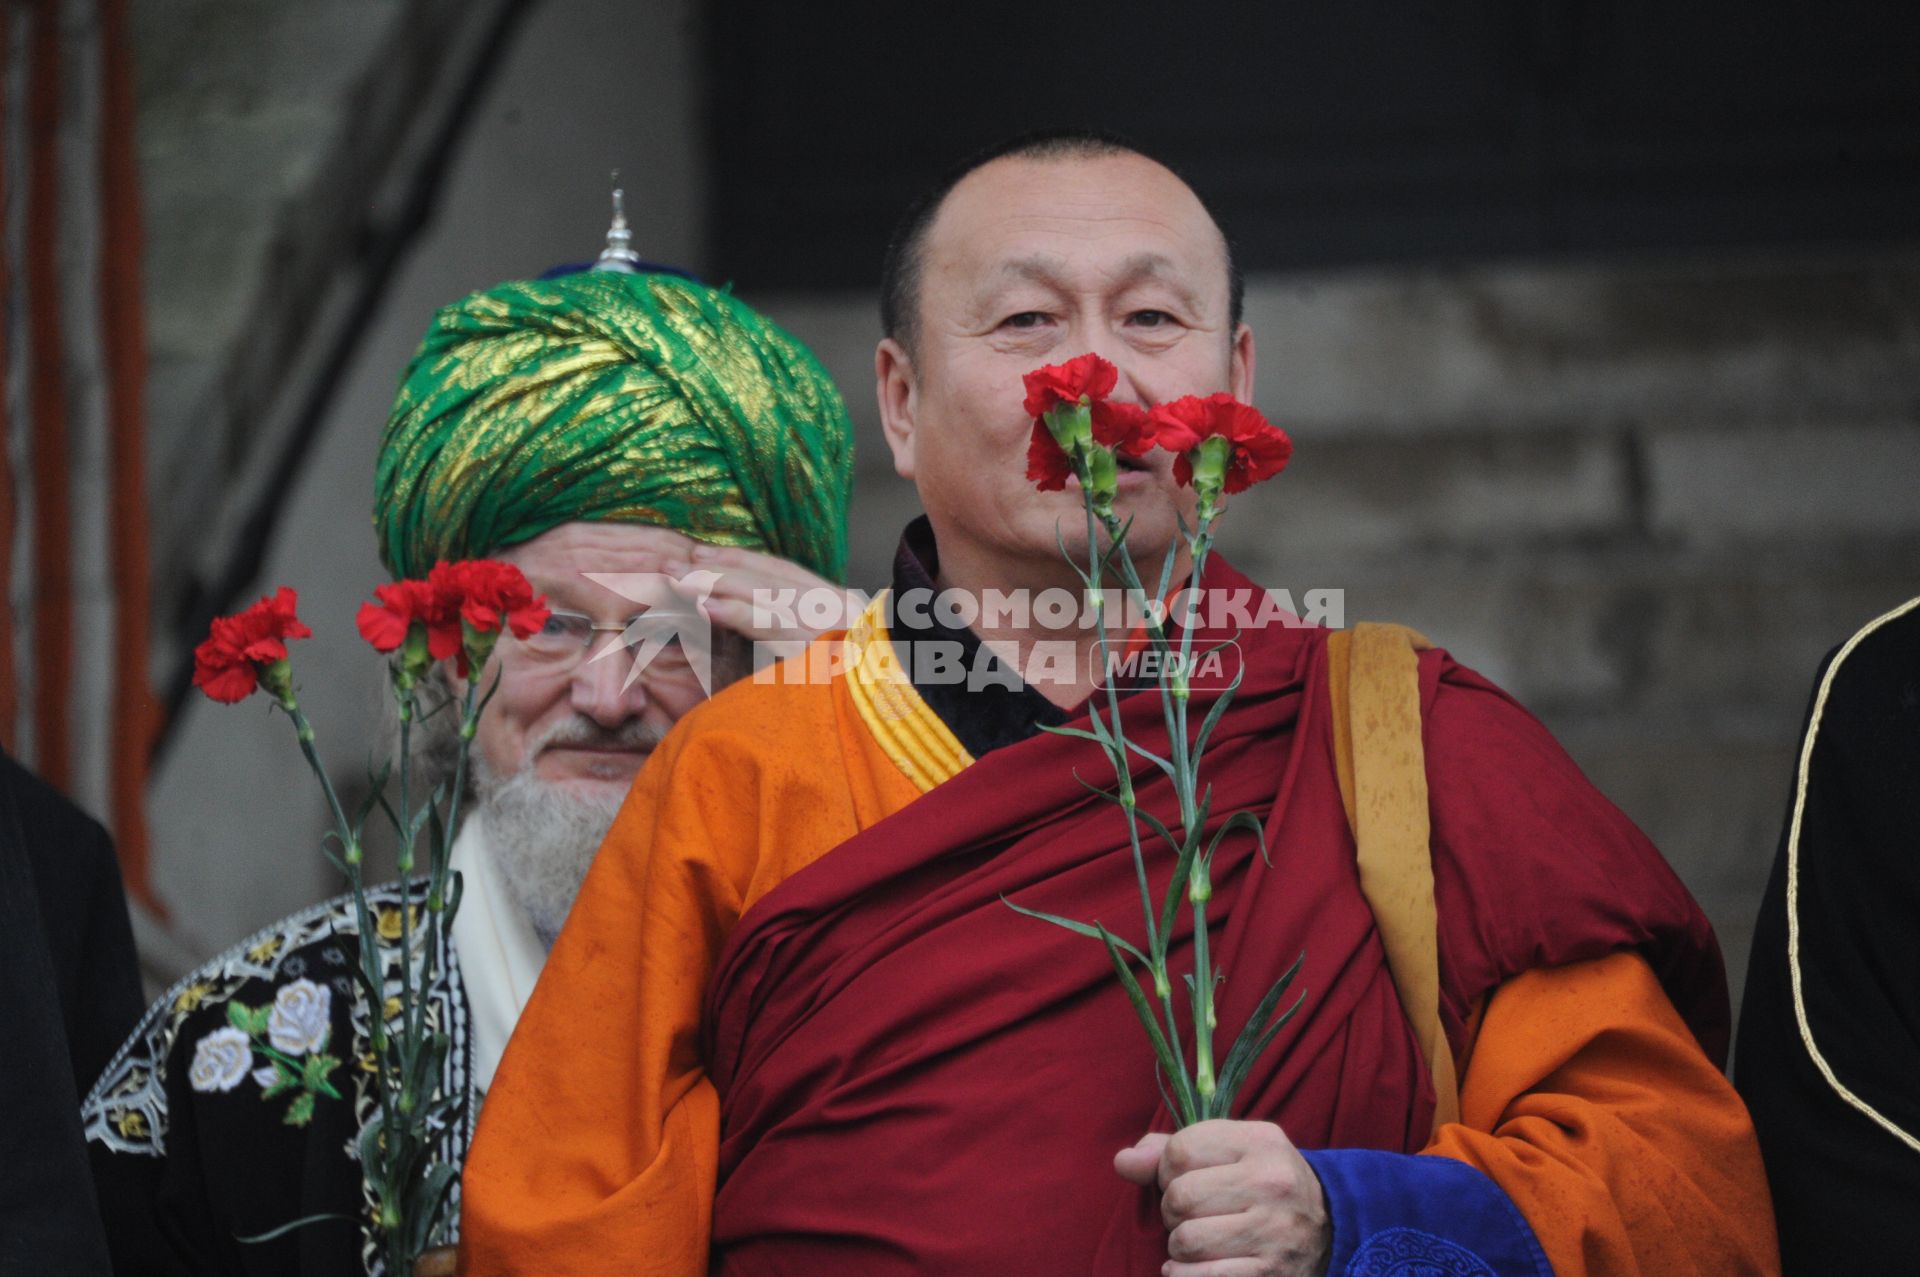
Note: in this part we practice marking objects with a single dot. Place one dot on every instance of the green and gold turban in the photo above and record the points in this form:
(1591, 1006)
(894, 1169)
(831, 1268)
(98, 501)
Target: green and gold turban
(606, 396)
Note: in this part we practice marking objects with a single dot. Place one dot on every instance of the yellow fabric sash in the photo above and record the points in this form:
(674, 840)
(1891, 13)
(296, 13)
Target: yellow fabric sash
(1374, 681)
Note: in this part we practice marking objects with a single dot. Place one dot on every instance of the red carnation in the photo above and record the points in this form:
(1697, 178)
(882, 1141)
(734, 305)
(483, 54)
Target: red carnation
(402, 605)
(1120, 426)
(1124, 427)
(489, 593)
(227, 664)
(1089, 376)
(459, 610)
(1260, 449)
(1047, 466)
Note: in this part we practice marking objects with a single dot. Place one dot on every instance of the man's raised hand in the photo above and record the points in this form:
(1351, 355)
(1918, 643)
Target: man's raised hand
(804, 604)
(1237, 1198)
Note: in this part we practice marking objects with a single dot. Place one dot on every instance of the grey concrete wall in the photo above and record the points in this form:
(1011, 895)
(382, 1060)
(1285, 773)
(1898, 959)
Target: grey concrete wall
(590, 85)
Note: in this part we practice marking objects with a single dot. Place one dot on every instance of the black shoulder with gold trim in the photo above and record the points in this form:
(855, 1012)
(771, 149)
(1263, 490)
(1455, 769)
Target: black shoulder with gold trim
(1829, 1051)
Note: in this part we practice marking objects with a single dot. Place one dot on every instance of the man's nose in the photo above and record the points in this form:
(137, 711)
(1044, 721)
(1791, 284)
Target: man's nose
(600, 686)
(1092, 334)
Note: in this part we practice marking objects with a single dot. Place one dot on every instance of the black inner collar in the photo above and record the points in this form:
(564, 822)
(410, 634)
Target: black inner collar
(992, 709)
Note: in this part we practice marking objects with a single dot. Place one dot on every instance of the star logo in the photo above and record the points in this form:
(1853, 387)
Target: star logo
(675, 611)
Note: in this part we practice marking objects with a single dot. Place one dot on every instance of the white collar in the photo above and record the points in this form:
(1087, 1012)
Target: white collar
(500, 952)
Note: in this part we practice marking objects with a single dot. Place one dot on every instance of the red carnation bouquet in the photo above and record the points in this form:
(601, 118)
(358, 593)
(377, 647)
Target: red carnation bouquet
(1221, 446)
(457, 613)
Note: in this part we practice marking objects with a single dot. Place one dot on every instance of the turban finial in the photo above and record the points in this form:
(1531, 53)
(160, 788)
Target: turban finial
(618, 254)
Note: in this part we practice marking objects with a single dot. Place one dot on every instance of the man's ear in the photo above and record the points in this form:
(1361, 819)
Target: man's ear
(894, 386)
(1240, 366)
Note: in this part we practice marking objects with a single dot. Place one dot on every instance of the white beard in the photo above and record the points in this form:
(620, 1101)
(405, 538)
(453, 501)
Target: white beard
(543, 836)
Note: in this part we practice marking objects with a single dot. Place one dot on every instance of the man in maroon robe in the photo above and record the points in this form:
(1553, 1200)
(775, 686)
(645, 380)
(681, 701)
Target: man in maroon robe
(793, 1027)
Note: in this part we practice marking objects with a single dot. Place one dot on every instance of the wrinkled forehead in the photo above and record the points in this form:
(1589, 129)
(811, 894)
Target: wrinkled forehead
(1086, 220)
(558, 560)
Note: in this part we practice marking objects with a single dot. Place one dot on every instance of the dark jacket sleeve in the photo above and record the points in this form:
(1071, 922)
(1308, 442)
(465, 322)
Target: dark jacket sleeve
(49, 1221)
(83, 912)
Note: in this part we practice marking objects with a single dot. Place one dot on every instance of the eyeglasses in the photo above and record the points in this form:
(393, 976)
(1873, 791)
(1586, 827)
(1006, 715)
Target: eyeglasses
(568, 636)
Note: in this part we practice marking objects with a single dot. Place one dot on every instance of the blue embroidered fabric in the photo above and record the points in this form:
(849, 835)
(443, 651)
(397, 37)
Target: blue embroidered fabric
(1405, 1215)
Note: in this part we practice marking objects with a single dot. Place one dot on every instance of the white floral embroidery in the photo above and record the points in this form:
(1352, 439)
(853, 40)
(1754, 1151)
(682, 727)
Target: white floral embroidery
(299, 1022)
(220, 1060)
(266, 1077)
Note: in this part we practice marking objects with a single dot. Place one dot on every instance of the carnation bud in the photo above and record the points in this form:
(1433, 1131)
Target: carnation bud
(1209, 461)
(415, 659)
(479, 645)
(1103, 475)
(1071, 424)
(277, 678)
(1199, 883)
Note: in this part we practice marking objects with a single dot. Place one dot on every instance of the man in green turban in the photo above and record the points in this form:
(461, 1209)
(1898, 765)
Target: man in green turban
(603, 427)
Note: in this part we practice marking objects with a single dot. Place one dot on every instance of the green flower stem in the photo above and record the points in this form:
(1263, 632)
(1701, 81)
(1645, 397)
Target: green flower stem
(399, 1158)
(1123, 770)
(1175, 698)
(1199, 891)
(411, 1006)
(1208, 1091)
(369, 953)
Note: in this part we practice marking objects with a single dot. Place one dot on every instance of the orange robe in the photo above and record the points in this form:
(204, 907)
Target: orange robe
(1583, 1096)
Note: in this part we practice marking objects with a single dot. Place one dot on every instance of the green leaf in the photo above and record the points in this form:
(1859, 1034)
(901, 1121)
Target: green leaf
(371, 1160)
(1219, 708)
(419, 818)
(1254, 1037)
(1166, 570)
(240, 1016)
(376, 785)
(1240, 820)
(1076, 732)
(391, 813)
(1151, 757)
(1154, 823)
(283, 1081)
(443, 1108)
(314, 1071)
(425, 1203)
(1060, 540)
(1095, 932)
(437, 847)
(1097, 791)
(1177, 886)
(300, 1110)
(425, 1075)
(488, 698)
(284, 1229)
(1229, 1087)
(1143, 1009)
